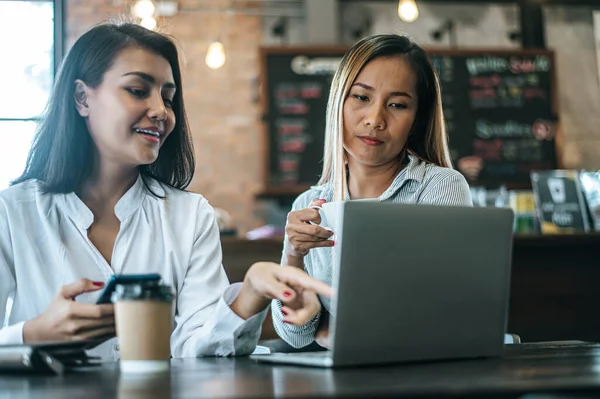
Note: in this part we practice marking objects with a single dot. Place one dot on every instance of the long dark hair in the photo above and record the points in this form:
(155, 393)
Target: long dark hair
(62, 150)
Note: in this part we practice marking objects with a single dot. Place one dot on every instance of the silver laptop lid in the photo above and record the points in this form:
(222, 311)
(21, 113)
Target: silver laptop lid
(418, 282)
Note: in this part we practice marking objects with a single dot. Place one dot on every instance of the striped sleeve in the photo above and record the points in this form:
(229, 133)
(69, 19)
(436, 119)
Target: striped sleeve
(447, 189)
(296, 336)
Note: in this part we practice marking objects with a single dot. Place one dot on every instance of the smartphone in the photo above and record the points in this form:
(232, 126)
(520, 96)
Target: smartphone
(117, 279)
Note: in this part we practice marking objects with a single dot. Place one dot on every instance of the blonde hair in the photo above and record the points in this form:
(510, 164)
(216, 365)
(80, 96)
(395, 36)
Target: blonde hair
(428, 140)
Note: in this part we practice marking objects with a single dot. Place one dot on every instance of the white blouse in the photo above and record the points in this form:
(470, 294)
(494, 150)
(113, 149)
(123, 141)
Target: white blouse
(44, 246)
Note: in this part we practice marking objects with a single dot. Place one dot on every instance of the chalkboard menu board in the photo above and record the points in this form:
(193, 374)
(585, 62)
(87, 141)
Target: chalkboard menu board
(500, 113)
(295, 90)
(499, 108)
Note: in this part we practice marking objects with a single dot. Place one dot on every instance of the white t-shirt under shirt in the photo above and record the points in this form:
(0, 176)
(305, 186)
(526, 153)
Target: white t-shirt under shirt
(44, 246)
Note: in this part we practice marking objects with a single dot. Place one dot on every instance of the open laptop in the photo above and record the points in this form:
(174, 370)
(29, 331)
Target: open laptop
(416, 283)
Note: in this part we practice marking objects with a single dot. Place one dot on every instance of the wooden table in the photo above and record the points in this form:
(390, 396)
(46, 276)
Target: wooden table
(571, 369)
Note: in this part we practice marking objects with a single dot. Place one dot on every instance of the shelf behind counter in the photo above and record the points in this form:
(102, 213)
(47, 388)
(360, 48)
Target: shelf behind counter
(555, 283)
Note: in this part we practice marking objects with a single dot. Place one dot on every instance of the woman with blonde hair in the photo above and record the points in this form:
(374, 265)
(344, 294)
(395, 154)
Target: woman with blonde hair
(385, 139)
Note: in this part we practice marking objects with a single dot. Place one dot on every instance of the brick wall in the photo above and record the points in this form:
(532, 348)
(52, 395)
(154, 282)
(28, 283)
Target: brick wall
(224, 118)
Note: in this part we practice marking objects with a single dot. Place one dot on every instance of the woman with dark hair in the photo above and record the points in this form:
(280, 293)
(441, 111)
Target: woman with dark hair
(385, 139)
(103, 194)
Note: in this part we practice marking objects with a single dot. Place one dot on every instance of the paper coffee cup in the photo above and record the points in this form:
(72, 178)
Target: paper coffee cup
(143, 319)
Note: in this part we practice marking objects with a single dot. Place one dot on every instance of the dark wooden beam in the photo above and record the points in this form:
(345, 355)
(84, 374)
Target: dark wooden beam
(532, 25)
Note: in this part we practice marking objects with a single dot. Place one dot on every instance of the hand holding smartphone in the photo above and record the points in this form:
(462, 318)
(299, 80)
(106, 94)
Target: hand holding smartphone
(124, 279)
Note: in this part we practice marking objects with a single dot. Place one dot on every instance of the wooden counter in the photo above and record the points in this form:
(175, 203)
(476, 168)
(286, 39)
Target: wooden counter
(555, 288)
(555, 284)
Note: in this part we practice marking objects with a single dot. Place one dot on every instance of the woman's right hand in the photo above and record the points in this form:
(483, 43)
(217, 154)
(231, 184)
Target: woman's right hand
(295, 288)
(303, 236)
(68, 320)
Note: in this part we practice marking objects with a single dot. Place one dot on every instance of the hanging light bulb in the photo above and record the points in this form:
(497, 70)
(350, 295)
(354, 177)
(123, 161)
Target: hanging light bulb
(148, 23)
(144, 9)
(408, 11)
(215, 56)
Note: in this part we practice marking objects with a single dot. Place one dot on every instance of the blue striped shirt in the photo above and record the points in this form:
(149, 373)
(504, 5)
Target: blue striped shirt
(418, 183)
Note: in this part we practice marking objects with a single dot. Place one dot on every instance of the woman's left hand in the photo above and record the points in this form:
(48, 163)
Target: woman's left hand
(266, 281)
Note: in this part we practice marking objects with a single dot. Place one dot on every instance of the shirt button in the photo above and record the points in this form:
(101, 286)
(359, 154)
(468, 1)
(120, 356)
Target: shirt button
(117, 347)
